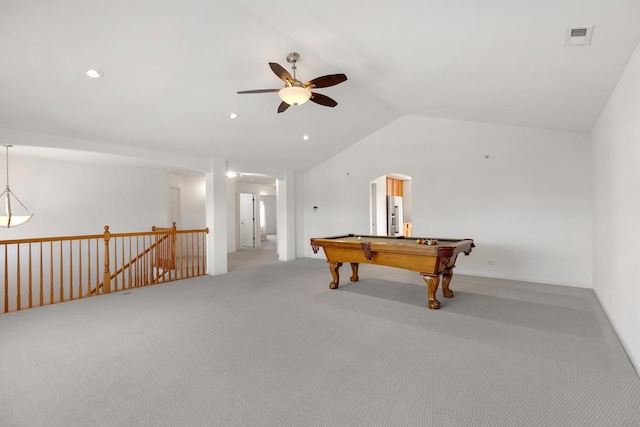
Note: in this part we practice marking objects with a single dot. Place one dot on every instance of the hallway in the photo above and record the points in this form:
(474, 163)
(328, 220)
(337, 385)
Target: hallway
(254, 257)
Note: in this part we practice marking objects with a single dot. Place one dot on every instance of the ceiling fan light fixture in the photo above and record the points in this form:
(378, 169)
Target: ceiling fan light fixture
(295, 92)
(295, 95)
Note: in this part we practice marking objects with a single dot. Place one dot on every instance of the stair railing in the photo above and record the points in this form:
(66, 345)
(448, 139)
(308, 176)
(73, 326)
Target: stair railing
(45, 271)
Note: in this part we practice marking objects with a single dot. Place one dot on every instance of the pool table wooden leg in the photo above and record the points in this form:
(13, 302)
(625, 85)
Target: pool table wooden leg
(432, 282)
(354, 270)
(447, 274)
(333, 267)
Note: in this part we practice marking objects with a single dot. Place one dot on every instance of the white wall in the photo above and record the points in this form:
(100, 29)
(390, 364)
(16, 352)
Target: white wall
(380, 220)
(270, 225)
(192, 200)
(73, 198)
(233, 214)
(616, 177)
(528, 205)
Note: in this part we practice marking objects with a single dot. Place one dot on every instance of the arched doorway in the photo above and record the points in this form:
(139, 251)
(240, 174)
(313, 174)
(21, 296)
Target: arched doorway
(391, 205)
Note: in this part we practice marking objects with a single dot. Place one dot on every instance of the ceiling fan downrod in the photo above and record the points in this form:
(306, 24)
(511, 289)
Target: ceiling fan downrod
(292, 58)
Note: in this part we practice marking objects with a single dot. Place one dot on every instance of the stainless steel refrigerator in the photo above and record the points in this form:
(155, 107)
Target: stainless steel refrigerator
(394, 215)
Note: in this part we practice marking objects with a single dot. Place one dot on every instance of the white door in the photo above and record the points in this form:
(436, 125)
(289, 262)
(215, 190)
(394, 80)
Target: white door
(247, 220)
(174, 208)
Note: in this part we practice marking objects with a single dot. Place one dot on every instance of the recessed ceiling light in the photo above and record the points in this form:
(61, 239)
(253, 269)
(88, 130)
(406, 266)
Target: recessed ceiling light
(94, 73)
(306, 137)
(233, 116)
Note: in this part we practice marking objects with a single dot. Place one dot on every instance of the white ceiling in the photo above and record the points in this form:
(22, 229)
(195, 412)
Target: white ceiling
(172, 70)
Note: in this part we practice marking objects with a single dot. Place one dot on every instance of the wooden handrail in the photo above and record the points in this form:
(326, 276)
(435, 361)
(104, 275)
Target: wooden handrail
(43, 271)
(165, 230)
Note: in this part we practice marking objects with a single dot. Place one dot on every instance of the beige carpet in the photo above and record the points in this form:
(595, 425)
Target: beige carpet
(270, 345)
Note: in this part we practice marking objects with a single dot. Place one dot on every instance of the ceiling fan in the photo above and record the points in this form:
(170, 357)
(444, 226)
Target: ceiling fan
(295, 92)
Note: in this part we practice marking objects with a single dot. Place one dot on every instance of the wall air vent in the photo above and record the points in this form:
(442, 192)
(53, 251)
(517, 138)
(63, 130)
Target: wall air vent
(579, 36)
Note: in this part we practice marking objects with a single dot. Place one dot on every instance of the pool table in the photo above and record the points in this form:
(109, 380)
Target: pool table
(430, 261)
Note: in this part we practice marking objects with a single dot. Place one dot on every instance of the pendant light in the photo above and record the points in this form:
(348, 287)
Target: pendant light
(9, 219)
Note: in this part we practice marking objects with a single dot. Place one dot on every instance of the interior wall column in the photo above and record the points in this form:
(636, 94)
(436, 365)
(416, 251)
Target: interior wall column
(216, 213)
(285, 192)
(233, 232)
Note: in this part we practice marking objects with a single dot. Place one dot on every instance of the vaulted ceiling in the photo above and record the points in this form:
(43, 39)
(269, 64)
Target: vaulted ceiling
(172, 70)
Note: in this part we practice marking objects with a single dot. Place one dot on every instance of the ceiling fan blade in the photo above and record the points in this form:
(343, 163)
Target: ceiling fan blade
(281, 72)
(326, 81)
(259, 91)
(318, 98)
(283, 107)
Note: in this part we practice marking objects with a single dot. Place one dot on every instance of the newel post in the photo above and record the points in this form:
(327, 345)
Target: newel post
(107, 274)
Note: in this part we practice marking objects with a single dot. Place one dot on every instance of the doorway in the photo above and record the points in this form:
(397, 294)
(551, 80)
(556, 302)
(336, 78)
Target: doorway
(390, 205)
(174, 207)
(247, 220)
(268, 218)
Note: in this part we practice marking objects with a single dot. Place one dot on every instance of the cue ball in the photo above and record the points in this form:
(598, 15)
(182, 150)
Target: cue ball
(359, 238)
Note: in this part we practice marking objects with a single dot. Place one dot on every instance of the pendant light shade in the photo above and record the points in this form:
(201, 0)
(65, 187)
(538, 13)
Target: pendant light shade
(11, 218)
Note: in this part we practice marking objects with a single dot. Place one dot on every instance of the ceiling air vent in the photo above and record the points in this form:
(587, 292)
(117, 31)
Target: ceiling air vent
(579, 36)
